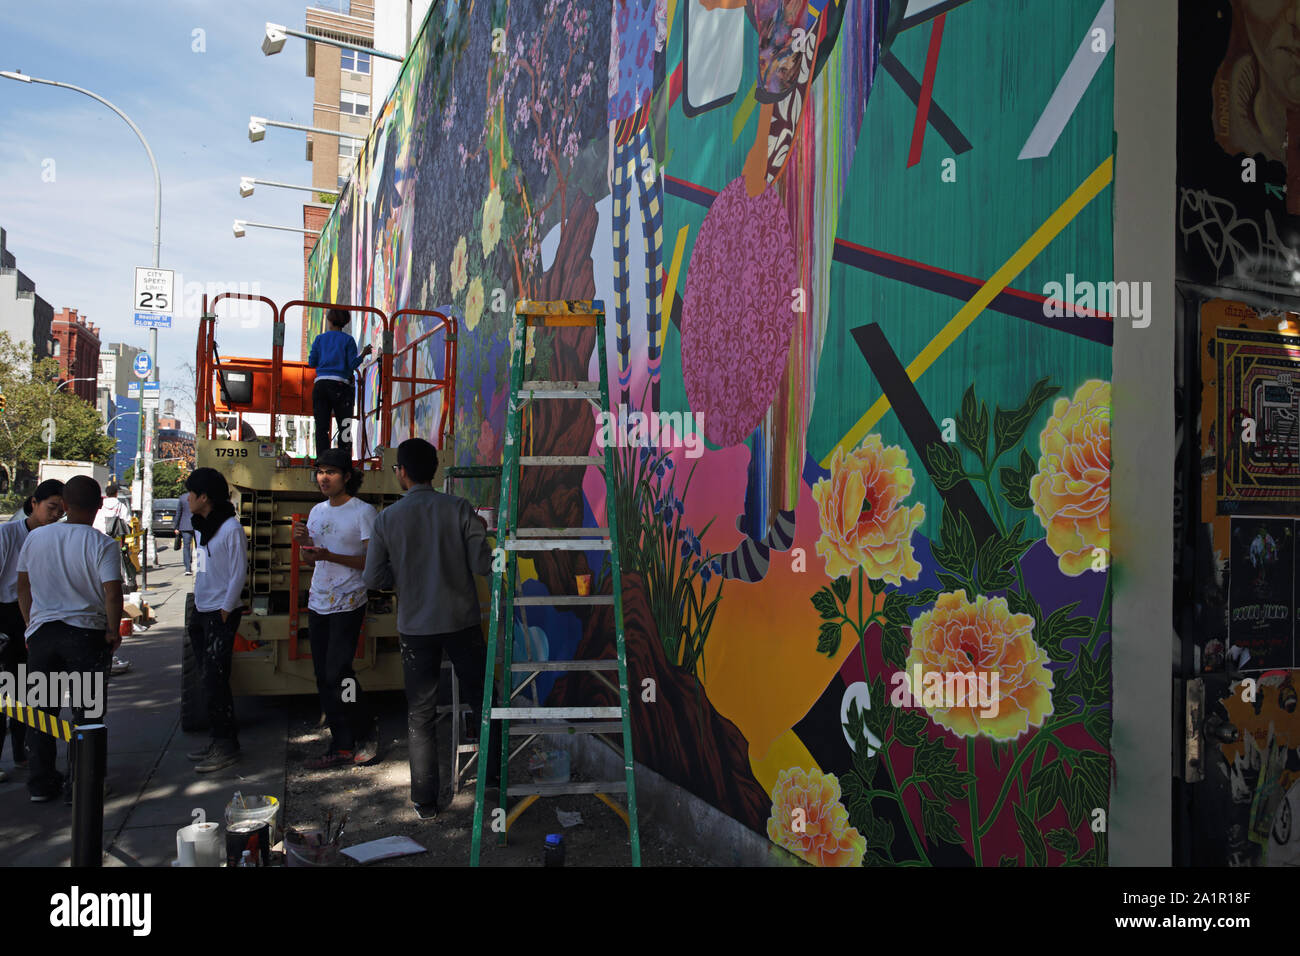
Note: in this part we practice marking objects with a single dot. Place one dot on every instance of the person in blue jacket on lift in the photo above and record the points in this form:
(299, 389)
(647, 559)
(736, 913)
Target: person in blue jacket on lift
(335, 358)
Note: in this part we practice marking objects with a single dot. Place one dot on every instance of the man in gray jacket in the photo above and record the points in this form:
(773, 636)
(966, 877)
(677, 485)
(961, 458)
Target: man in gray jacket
(428, 546)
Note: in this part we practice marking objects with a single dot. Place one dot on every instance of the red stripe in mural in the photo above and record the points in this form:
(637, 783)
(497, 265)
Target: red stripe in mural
(927, 87)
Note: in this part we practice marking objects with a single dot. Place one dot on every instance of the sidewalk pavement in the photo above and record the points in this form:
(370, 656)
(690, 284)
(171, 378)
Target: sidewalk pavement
(153, 787)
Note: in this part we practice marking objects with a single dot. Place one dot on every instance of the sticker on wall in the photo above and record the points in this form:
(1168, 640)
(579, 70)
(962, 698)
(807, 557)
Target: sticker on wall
(1260, 606)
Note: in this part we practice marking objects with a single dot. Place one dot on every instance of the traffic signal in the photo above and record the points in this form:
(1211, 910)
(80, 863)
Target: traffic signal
(2, 402)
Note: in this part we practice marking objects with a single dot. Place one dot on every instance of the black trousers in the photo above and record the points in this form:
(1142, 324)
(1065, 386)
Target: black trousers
(13, 654)
(214, 643)
(331, 400)
(421, 667)
(333, 645)
(58, 648)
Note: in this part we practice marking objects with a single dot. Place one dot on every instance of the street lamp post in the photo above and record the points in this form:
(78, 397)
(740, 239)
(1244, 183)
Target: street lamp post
(157, 242)
(49, 431)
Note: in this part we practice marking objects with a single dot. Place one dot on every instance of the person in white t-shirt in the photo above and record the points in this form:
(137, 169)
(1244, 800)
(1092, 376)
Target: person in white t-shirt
(334, 541)
(70, 593)
(222, 569)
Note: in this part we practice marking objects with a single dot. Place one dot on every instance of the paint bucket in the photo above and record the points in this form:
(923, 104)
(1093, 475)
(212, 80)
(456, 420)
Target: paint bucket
(263, 809)
(584, 585)
(251, 836)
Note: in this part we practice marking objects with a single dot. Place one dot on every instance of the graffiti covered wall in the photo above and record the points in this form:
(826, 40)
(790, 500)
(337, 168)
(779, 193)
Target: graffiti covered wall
(856, 257)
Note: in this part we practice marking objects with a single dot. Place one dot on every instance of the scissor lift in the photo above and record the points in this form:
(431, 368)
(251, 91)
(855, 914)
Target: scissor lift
(272, 653)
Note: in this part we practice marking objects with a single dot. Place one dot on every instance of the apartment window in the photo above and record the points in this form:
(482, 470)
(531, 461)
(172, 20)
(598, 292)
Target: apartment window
(349, 147)
(354, 61)
(358, 104)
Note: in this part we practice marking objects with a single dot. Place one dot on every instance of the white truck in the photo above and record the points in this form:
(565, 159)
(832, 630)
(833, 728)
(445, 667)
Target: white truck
(63, 469)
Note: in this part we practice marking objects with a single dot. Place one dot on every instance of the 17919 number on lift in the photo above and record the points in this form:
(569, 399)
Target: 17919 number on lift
(231, 452)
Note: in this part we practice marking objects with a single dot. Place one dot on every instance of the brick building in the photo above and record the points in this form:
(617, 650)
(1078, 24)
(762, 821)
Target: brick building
(76, 346)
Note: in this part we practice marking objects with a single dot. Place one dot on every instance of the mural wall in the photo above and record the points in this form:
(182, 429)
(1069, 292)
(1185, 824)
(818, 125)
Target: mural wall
(854, 255)
(1237, 228)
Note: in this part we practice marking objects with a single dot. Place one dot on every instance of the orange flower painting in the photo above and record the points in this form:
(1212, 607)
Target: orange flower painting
(809, 820)
(981, 639)
(1071, 492)
(863, 519)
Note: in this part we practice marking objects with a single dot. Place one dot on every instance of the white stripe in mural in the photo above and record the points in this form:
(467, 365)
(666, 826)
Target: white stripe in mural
(1074, 83)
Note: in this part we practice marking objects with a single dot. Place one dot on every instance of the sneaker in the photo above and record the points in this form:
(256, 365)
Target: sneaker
(366, 754)
(331, 758)
(203, 752)
(41, 797)
(219, 759)
(189, 574)
(120, 666)
(425, 811)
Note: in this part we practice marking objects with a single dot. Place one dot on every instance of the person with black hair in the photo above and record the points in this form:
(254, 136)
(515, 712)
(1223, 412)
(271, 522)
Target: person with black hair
(43, 507)
(334, 540)
(70, 595)
(334, 357)
(222, 566)
(429, 546)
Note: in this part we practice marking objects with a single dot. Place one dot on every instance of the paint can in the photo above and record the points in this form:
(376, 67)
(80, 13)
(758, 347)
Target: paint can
(553, 855)
(251, 836)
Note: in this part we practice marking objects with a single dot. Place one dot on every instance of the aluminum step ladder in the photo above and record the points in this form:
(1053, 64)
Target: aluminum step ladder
(532, 721)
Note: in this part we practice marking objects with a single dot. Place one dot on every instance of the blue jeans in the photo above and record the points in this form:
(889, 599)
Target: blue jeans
(187, 545)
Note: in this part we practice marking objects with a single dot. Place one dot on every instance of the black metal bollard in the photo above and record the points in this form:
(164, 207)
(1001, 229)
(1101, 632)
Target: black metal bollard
(90, 760)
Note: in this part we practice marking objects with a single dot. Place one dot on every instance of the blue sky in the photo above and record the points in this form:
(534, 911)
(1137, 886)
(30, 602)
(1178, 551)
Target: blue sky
(81, 236)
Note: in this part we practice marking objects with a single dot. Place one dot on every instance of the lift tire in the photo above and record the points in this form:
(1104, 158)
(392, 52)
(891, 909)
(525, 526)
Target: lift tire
(194, 703)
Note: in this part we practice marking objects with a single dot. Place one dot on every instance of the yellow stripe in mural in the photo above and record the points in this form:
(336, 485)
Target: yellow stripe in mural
(670, 291)
(742, 115)
(1088, 190)
(786, 751)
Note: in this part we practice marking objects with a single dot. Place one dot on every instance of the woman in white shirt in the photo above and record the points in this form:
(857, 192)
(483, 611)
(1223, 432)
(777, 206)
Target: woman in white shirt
(43, 507)
(334, 541)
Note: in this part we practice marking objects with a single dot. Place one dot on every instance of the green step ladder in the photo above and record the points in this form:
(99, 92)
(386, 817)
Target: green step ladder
(529, 722)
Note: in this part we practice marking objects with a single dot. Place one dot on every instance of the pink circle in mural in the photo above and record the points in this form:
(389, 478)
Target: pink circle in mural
(736, 312)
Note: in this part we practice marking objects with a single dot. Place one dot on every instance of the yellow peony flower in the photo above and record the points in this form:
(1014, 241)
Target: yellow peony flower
(863, 521)
(808, 819)
(473, 303)
(981, 640)
(459, 266)
(493, 208)
(1071, 492)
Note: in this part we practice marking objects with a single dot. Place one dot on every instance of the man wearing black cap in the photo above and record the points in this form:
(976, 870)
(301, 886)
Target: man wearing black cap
(429, 545)
(334, 541)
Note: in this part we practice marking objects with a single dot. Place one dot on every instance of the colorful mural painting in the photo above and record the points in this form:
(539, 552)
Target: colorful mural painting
(866, 559)
(1238, 215)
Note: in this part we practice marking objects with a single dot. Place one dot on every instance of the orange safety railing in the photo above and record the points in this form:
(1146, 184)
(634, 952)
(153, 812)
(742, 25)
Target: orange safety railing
(282, 387)
(446, 384)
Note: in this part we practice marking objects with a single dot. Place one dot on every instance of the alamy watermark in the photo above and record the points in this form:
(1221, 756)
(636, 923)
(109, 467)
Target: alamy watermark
(1120, 300)
(654, 429)
(82, 690)
(947, 690)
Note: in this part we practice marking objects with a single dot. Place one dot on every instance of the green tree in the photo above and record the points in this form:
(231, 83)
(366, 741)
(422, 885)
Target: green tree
(36, 410)
(168, 479)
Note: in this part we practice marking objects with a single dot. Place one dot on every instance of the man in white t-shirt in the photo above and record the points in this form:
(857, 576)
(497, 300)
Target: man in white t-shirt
(222, 566)
(70, 593)
(334, 540)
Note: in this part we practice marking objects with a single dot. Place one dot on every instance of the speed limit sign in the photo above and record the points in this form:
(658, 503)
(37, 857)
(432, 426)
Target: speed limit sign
(153, 290)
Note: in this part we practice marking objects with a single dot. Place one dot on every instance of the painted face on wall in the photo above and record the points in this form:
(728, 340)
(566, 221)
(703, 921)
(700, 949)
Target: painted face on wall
(1271, 28)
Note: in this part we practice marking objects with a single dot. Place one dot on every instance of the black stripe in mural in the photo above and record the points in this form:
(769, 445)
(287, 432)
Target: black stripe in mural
(942, 123)
(917, 422)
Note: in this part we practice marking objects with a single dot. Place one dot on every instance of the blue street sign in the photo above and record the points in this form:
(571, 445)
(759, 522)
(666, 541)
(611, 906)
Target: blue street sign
(143, 365)
(153, 321)
(151, 389)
